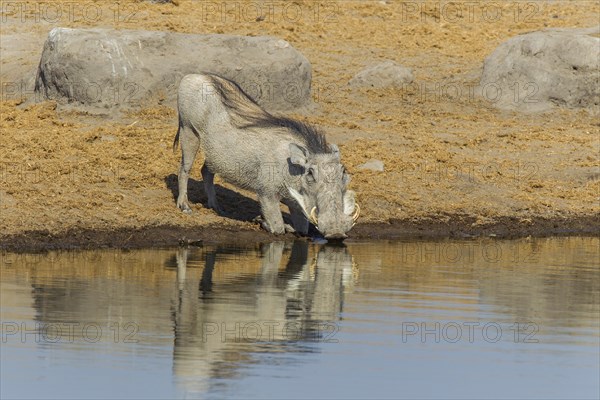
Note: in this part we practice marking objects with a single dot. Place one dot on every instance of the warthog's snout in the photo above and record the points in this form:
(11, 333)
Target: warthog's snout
(332, 225)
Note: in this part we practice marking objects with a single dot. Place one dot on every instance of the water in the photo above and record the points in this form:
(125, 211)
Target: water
(449, 319)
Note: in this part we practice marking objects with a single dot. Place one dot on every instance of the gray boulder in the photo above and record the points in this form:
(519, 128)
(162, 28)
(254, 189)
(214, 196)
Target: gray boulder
(385, 74)
(105, 69)
(540, 70)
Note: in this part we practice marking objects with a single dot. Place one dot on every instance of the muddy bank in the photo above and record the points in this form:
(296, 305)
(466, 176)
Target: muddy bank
(455, 226)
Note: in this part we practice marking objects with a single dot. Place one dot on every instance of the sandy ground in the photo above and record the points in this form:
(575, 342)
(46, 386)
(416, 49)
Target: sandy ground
(454, 165)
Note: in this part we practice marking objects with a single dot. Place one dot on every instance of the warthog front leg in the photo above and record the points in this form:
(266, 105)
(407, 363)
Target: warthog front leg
(209, 187)
(272, 219)
(189, 148)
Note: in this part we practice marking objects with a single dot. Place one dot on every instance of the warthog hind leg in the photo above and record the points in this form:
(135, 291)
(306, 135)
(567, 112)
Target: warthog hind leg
(189, 148)
(209, 187)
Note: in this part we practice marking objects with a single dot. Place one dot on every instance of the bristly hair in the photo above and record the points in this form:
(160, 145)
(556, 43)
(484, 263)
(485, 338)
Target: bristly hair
(245, 113)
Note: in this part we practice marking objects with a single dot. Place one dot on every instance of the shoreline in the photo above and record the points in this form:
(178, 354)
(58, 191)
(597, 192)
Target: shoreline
(453, 227)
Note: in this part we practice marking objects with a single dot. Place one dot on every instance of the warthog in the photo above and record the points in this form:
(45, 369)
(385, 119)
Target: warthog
(279, 158)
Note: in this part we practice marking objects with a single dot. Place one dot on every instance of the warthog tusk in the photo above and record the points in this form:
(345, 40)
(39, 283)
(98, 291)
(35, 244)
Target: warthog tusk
(357, 213)
(313, 216)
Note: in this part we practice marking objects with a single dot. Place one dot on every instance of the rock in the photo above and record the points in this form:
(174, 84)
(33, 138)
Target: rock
(105, 69)
(540, 70)
(372, 165)
(386, 74)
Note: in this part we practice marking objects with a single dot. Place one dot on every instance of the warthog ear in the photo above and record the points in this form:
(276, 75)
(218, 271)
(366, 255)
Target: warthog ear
(349, 202)
(298, 155)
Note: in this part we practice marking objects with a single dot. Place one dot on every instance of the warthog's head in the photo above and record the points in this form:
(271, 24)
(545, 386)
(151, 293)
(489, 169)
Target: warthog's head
(321, 191)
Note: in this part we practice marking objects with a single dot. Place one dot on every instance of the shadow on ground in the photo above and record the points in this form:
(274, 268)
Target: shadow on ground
(235, 205)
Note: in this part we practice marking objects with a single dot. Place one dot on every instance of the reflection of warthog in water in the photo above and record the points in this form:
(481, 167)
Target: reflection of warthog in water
(223, 309)
(219, 326)
(223, 286)
(278, 158)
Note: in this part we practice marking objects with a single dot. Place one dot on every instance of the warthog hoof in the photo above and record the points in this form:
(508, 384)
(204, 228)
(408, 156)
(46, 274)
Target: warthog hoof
(265, 225)
(185, 208)
(289, 228)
